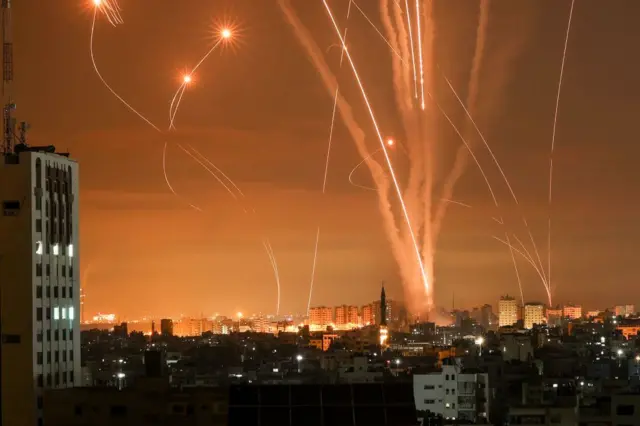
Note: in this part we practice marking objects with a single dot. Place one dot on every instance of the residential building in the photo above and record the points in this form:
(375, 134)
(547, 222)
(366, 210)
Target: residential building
(533, 314)
(453, 393)
(572, 311)
(39, 279)
(624, 310)
(507, 311)
(320, 316)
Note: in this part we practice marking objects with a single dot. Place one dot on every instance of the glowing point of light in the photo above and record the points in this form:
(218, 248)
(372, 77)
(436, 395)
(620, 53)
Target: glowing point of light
(239, 315)
(187, 79)
(225, 33)
(97, 2)
(121, 375)
(56, 249)
(637, 357)
(39, 247)
(480, 341)
(72, 313)
(620, 352)
(390, 142)
(70, 250)
(299, 358)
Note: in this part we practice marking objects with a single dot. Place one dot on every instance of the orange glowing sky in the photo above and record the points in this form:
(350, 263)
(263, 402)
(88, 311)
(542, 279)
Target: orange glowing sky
(260, 113)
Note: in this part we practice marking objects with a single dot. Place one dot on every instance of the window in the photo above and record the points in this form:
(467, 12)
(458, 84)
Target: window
(39, 314)
(49, 379)
(63, 270)
(48, 270)
(453, 377)
(39, 336)
(39, 247)
(56, 335)
(64, 334)
(625, 410)
(64, 313)
(39, 357)
(70, 297)
(429, 401)
(39, 292)
(71, 356)
(56, 249)
(38, 269)
(55, 294)
(447, 392)
(64, 294)
(71, 310)
(64, 356)
(38, 225)
(429, 387)
(70, 250)
(57, 358)
(118, 411)
(49, 357)
(446, 377)
(10, 208)
(40, 380)
(56, 310)
(453, 391)
(48, 313)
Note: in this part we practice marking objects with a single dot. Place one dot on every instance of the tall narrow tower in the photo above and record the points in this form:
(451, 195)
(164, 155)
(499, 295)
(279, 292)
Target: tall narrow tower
(383, 306)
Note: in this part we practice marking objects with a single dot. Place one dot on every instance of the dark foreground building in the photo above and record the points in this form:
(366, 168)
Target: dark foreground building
(153, 402)
(320, 405)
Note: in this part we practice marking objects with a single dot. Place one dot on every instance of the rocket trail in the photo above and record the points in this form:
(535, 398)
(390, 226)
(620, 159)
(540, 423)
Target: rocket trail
(313, 269)
(274, 265)
(394, 50)
(166, 177)
(316, 57)
(225, 34)
(515, 267)
(217, 170)
(211, 172)
(104, 82)
(384, 150)
(412, 46)
(553, 138)
(526, 256)
(421, 63)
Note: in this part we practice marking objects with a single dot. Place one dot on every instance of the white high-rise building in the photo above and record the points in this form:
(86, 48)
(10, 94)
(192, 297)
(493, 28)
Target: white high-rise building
(507, 311)
(39, 270)
(453, 394)
(533, 314)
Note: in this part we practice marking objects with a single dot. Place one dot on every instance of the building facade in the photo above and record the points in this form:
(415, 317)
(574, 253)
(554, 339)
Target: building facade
(320, 316)
(39, 279)
(507, 311)
(533, 314)
(572, 311)
(453, 394)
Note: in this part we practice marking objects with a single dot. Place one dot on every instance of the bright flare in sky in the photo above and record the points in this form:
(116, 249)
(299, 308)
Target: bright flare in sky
(187, 79)
(390, 142)
(225, 33)
(97, 2)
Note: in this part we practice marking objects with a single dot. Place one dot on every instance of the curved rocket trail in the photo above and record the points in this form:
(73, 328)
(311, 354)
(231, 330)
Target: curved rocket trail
(553, 140)
(115, 18)
(187, 79)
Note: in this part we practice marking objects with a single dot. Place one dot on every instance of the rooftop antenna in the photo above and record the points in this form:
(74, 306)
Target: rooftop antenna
(7, 78)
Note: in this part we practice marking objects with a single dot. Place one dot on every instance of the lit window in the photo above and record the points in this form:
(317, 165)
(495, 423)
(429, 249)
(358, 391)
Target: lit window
(56, 249)
(64, 313)
(56, 313)
(71, 313)
(70, 250)
(39, 247)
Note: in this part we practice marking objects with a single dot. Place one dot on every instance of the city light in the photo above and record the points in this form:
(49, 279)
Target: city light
(239, 315)
(480, 341)
(299, 358)
(225, 33)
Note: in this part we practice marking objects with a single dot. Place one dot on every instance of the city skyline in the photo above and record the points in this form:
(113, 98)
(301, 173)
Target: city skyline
(144, 249)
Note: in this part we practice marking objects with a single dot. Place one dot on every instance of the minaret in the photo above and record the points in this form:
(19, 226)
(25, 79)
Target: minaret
(383, 306)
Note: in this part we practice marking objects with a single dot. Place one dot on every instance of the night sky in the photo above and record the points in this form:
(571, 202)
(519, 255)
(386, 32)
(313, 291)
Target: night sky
(260, 113)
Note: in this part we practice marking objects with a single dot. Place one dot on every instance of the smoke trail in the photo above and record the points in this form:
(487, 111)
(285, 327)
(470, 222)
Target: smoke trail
(462, 155)
(553, 139)
(316, 57)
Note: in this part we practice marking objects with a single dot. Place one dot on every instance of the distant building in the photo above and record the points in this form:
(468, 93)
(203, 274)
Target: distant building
(554, 316)
(533, 314)
(507, 311)
(352, 315)
(624, 310)
(166, 327)
(39, 279)
(572, 311)
(320, 316)
(368, 316)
